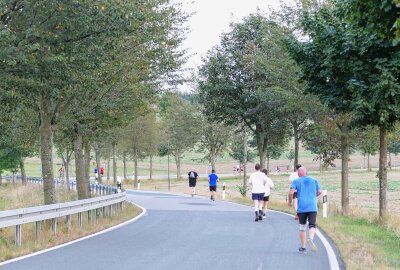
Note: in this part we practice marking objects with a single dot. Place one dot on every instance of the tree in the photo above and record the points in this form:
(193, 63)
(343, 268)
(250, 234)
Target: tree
(351, 63)
(300, 109)
(138, 139)
(181, 126)
(324, 60)
(214, 140)
(242, 79)
(49, 49)
(375, 84)
(368, 142)
(241, 152)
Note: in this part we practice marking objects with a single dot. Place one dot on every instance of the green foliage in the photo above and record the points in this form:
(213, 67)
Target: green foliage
(181, 125)
(290, 155)
(275, 151)
(242, 189)
(323, 139)
(243, 79)
(368, 140)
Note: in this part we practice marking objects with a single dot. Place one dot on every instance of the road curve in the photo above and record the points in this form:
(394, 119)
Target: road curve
(181, 233)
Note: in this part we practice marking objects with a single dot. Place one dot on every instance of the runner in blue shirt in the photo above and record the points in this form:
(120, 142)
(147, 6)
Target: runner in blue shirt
(213, 179)
(308, 189)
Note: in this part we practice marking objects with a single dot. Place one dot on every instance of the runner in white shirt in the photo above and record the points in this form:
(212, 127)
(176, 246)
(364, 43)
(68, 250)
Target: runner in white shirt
(258, 180)
(268, 186)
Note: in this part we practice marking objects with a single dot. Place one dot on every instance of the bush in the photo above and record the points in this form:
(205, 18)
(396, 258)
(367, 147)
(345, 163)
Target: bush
(242, 189)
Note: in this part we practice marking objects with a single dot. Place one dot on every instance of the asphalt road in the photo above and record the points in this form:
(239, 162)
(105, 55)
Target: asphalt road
(185, 233)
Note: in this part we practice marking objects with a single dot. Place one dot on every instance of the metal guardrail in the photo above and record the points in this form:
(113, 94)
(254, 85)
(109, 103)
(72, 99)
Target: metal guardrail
(107, 204)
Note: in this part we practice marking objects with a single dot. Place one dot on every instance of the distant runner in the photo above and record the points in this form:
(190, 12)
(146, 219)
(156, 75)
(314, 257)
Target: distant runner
(192, 181)
(212, 180)
(308, 189)
(257, 180)
(268, 186)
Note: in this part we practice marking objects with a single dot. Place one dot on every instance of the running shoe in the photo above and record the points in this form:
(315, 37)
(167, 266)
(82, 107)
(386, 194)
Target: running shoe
(312, 245)
(256, 219)
(260, 217)
(264, 216)
(302, 250)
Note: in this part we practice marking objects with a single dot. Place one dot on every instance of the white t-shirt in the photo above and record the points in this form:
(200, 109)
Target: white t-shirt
(258, 180)
(293, 176)
(268, 186)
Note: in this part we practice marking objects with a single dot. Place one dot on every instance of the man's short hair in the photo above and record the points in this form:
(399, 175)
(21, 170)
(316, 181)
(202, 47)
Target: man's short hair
(298, 166)
(213, 171)
(257, 166)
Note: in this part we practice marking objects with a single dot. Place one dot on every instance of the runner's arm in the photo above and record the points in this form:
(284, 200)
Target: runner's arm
(291, 192)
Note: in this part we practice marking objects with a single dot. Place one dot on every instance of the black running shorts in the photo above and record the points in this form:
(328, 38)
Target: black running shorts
(192, 182)
(311, 216)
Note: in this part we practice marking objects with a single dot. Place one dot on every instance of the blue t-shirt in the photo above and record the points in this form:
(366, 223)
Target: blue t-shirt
(213, 179)
(307, 188)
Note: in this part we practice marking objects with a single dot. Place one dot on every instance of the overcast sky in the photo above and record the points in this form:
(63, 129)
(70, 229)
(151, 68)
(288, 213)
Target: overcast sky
(212, 18)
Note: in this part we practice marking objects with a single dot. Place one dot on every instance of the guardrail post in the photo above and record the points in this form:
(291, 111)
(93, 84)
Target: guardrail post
(80, 219)
(18, 235)
(97, 213)
(104, 212)
(324, 203)
(110, 210)
(89, 216)
(54, 225)
(68, 221)
(38, 228)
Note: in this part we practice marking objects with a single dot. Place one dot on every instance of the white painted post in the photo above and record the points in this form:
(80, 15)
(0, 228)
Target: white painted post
(223, 191)
(325, 203)
(138, 184)
(18, 235)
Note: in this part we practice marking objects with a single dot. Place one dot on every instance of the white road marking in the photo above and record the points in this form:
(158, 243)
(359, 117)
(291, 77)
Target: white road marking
(144, 212)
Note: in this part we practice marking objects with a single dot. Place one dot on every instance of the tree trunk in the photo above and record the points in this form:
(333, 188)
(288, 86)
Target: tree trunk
(169, 176)
(97, 152)
(46, 151)
(296, 148)
(66, 162)
(368, 162)
(135, 164)
(382, 173)
(22, 167)
(178, 165)
(108, 169)
(124, 161)
(345, 169)
(135, 167)
(86, 146)
(261, 145)
(81, 183)
(245, 153)
(213, 159)
(114, 163)
(151, 167)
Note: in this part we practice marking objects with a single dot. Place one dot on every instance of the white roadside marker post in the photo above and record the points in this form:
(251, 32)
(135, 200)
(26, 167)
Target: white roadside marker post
(138, 184)
(325, 203)
(223, 191)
